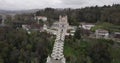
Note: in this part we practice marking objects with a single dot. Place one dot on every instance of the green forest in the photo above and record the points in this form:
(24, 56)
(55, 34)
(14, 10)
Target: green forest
(88, 14)
(17, 46)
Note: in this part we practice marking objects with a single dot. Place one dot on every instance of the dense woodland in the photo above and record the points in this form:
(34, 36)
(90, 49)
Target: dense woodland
(17, 46)
(94, 14)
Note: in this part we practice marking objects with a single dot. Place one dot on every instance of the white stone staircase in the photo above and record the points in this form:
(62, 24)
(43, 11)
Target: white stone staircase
(57, 55)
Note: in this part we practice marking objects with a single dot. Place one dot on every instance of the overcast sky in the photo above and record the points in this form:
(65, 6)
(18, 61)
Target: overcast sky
(38, 4)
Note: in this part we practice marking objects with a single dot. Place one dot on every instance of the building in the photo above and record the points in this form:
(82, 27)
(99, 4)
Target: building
(2, 20)
(26, 27)
(117, 35)
(100, 33)
(55, 26)
(86, 26)
(71, 30)
(33, 27)
(43, 18)
(45, 27)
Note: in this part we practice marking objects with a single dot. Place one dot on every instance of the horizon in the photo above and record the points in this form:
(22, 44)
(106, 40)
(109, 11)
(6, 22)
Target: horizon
(53, 8)
(42, 4)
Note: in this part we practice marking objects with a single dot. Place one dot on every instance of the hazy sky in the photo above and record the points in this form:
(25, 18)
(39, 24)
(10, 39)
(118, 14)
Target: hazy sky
(38, 4)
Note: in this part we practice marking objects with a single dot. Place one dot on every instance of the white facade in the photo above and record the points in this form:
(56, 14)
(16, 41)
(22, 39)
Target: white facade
(55, 26)
(54, 32)
(3, 21)
(86, 26)
(26, 27)
(45, 27)
(43, 18)
(102, 33)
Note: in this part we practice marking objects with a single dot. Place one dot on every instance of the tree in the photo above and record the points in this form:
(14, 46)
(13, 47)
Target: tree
(99, 53)
(77, 33)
